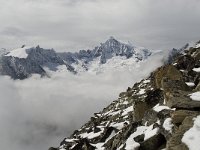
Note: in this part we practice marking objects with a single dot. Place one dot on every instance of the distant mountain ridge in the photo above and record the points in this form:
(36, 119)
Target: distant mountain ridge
(23, 62)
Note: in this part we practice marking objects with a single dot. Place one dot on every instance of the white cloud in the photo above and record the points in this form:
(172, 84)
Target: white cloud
(38, 113)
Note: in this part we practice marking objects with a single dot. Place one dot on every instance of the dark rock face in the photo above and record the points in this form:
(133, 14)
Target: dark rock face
(139, 138)
(154, 97)
(153, 143)
(21, 68)
(152, 115)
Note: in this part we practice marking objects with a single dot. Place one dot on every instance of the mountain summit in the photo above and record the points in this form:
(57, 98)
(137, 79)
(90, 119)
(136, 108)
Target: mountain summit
(23, 62)
(106, 55)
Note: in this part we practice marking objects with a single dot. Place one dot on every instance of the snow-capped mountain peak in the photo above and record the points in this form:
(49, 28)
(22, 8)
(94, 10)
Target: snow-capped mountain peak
(110, 54)
(112, 47)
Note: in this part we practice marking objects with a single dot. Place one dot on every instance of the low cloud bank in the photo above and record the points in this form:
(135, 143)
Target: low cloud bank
(37, 113)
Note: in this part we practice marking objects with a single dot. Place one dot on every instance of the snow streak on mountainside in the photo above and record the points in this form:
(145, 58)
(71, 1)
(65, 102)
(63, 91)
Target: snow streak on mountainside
(23, 62)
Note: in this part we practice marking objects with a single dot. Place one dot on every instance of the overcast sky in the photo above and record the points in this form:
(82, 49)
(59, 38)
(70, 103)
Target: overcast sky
(69, 25)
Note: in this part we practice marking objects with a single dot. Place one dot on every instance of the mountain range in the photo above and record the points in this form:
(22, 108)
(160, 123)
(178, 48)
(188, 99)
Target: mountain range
(21, 63)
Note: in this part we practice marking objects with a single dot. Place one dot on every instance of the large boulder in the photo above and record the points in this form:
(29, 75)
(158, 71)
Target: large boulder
(169, 85)
(179, 115)
(181, 100)
(139, 109)
(168, 71)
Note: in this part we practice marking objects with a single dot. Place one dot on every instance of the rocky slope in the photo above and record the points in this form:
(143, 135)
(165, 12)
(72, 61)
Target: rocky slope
(160, 112)
(25, 61)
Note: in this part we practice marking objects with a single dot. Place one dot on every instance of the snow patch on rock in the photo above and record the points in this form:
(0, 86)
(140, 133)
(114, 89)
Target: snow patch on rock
(192, 137)
(159, 108)
(196, 69)
(167, 125)
(195, 96)
(142, 91)
(191, 84)
(150, 132)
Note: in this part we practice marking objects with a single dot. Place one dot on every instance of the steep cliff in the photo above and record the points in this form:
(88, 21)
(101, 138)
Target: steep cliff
(157, 113)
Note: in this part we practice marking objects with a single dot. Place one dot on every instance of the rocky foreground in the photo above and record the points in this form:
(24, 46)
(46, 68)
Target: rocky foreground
(160, 112)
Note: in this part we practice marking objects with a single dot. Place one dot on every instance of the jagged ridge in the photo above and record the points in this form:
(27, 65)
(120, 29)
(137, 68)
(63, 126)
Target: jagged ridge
(22, 63)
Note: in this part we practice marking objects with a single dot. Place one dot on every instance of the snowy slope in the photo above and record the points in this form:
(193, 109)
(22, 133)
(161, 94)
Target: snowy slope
(20, 52)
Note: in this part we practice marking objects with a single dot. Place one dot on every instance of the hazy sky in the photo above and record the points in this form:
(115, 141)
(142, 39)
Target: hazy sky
(80, 24)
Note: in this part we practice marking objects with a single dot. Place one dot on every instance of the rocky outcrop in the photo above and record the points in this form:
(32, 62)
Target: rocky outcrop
(152, 115)
(168, 72)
